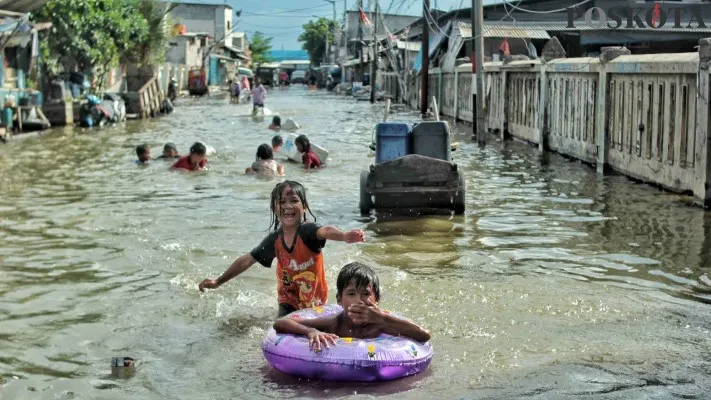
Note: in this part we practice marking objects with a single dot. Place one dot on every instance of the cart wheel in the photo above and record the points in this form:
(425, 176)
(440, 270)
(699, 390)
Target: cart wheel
(366, 202)
(459, 199)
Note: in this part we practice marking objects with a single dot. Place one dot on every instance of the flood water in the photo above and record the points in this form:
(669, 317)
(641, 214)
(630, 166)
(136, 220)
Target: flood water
(554, 284)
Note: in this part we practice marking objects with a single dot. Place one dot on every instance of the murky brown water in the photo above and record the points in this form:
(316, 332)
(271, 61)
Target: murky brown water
(554, 284)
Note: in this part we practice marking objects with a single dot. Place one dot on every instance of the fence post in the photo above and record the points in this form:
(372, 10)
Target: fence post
(607, 54)
(504, 104)
(702, 163)
(551, 51)
(456, 94)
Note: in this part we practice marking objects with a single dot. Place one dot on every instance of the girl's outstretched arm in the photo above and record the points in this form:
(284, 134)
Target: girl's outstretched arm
(238, 266)
(333, 233)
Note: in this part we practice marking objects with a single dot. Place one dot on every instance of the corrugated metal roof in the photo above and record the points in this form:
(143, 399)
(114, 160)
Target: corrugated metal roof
(493, 28)
(501, 30)
(21, 6)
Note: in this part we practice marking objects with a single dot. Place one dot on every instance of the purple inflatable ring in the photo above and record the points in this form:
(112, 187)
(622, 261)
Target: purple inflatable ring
(379, 359)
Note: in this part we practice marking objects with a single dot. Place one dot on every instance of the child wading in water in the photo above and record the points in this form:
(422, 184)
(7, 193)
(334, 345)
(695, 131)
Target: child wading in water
(358, 292)
(195, 161)
(296, 244)
(308, 157)
(265, 163)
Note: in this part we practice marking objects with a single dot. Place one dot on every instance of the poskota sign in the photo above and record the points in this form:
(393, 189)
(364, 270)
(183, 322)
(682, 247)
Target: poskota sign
(642, 16)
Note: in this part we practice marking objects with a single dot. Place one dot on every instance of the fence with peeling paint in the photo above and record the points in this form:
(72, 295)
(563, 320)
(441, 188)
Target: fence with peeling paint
(643, 115)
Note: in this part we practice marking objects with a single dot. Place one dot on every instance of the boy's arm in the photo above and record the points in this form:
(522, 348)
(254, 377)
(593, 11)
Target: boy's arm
(398, 327)
(238, 266)
(317, 330)
(333, 233)
(303, 327)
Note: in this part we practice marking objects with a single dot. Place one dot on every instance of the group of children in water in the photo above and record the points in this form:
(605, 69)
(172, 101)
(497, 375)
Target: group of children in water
(297, 245)
(194, 161)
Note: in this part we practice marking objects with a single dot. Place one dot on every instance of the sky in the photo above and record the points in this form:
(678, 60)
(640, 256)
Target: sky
(283, 19)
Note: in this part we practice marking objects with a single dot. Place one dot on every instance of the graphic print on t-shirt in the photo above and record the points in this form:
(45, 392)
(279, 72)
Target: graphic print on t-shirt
(301, 279)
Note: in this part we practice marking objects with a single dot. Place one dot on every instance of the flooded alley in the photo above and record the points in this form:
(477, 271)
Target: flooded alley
(554, 283)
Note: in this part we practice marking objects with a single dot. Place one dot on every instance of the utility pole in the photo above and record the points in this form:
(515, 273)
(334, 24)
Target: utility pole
(478, 25)
(335, 24)
(425, 71)
(374, 61)
(345, 39)
(360, 39)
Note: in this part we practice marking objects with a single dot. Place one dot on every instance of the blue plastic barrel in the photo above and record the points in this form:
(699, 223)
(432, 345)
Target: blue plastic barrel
(7, 116)
(392, 141)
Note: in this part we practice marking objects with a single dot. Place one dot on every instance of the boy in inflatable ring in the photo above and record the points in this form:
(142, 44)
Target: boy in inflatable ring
(358, 292)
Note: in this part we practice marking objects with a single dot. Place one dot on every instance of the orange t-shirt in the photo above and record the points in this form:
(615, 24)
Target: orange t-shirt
(301, 278)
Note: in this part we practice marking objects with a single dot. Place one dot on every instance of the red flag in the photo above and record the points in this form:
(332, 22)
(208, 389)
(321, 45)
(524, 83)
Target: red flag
(504, 48)
(655, 15)
(363, 17)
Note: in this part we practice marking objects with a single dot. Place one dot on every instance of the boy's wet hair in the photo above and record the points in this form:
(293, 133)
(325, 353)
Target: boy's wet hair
(277, 141)
(276, 197)
(141, 149)
(304, 141)
(198, 148)
(264, 152)
(361, 275)
(170, 146)
(276, 120)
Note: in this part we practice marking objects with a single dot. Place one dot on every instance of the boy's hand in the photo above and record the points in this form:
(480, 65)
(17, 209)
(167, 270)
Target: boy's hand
(354, 236)
(317, 337)
(366, 314)
(208, 284)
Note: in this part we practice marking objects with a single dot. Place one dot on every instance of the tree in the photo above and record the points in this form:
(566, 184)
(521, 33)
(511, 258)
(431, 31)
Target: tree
(259, 47)
(314, 38)
(90, 34)
(151, 50)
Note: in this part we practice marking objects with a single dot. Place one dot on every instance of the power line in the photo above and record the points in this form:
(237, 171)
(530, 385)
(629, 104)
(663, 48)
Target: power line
(286, 11)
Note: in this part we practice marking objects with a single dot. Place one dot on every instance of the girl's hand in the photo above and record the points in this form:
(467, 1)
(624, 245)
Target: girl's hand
(354, 236)
(208, 284)
(317, 337)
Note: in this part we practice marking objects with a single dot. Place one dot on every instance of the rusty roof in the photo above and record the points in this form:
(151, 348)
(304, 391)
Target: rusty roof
(21, 6)
(504, 30)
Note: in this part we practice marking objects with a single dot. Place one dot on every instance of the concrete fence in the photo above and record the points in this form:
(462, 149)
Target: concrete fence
(645, 116)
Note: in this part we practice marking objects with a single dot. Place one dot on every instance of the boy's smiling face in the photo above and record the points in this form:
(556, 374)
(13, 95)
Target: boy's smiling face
(354, 295)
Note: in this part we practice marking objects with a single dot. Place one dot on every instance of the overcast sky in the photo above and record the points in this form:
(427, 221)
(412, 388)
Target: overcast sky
(282, 19)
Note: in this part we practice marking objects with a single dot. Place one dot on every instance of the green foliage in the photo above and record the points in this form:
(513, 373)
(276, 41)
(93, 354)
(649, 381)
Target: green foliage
(89, 34)
(151, 49)
(314, 38)
(259, 47)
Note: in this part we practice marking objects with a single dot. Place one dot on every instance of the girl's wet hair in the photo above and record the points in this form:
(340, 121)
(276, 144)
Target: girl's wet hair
(361, 275)
(276, 121)
(264, 152)
(304, 142)
(298, 189)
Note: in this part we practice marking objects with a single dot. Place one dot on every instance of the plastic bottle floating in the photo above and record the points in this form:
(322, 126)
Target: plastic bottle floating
(380, 359)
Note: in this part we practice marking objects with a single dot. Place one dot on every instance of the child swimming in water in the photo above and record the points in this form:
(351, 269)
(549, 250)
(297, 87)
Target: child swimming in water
(276, 123)
(277, 142)
(308, 157)
(194, 161)
(265, 164)
(143, 152)
(358, 292)
(296, 244)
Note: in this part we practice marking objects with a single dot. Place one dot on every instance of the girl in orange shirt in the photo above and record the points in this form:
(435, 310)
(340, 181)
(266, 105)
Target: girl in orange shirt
(296, 244)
